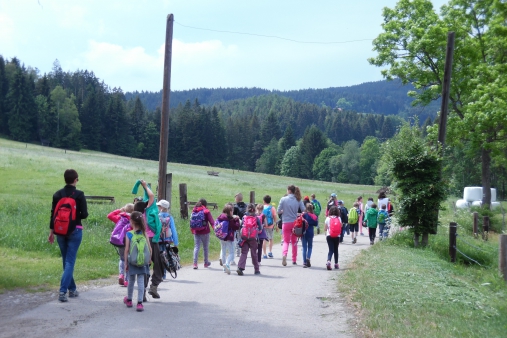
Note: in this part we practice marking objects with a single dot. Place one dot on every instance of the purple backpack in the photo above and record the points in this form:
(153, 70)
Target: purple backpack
(221, 229)
(120, 231)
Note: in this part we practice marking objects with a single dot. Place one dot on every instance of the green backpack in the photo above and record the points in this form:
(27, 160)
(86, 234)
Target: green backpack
(316, 208)
(139, 252)
(353, 216)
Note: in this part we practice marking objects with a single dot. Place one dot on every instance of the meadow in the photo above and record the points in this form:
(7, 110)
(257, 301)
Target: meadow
(30, 174)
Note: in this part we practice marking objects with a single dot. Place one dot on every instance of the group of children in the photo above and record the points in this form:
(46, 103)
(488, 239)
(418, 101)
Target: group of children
(143, 234)
(240, 227)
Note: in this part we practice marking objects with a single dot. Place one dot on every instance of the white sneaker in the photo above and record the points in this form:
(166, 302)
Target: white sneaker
(233, 263)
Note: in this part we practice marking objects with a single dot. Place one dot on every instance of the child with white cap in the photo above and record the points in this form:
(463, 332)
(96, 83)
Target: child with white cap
(168, 233)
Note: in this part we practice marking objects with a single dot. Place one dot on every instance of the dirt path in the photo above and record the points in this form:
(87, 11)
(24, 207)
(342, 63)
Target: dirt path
(283, 301)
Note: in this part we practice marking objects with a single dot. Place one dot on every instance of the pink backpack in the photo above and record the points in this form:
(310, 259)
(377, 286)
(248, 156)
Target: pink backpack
(250, 228)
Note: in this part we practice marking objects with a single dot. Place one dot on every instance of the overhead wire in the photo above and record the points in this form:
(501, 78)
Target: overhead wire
(273, 36)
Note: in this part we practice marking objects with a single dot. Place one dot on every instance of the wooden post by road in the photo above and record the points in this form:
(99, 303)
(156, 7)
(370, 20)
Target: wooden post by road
(485, 228)
(502, 262)
(476, 224)
(164, 119)
(183, 201)
(452, 241)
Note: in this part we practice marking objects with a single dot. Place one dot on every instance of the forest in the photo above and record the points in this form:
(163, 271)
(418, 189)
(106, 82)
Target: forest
(380, 97)
(267, 132)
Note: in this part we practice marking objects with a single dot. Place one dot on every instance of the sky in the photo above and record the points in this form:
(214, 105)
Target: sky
(122, 41)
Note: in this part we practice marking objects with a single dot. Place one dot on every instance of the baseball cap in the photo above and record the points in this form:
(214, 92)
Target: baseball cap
(340, 202)
(164, 204)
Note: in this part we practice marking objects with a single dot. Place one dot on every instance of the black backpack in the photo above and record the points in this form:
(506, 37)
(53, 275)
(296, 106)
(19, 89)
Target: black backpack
(344, 214)
(240, 209)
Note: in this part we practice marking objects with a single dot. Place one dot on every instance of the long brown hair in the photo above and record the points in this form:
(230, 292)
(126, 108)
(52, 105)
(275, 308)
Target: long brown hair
(137, 221)
(297, 194)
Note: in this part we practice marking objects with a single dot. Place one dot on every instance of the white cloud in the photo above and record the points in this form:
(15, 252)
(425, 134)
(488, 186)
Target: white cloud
(137, 69)
(7, 42)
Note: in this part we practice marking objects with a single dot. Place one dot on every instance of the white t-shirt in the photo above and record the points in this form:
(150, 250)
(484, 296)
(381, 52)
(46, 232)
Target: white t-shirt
(382, 201)
(328, 220)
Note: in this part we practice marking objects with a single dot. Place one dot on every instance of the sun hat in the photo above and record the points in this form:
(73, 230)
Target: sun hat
(164, 204)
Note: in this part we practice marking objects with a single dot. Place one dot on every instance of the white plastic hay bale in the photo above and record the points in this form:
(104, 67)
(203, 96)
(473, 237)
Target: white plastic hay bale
(493, 195)
(471, 194)
(495, 205)
(462, 204)
(476, 203)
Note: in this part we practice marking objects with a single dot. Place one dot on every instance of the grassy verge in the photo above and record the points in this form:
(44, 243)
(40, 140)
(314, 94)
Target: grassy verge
(407, 292)
(30, 174)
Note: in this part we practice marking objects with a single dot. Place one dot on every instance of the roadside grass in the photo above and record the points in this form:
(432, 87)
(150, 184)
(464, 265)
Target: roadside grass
(30, 174)
(406, 292)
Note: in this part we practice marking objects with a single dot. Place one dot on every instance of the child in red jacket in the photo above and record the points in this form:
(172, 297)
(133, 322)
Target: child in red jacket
(115, 216)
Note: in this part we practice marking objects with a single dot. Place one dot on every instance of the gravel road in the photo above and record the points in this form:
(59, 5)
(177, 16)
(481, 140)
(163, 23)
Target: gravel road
(281, 302)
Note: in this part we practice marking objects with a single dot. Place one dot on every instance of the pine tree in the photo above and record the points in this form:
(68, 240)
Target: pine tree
(4, 89)
(21, 117)
(312, 144)
(287, 140)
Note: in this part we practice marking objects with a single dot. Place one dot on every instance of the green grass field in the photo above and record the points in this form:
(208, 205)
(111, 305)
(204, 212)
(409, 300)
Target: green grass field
(30, 174)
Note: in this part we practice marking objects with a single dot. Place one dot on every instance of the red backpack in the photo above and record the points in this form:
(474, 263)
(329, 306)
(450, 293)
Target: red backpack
(335, 226)
(300, 226)
(64, 217)
(249, 229)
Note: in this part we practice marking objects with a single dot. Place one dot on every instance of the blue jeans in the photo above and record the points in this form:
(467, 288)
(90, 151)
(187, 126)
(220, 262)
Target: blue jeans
(227, 253)
(68, 248)
(307, 241)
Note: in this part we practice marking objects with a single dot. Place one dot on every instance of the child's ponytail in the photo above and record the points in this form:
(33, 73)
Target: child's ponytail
(137, 218)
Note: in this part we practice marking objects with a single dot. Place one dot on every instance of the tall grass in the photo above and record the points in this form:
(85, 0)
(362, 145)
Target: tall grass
(30, 174)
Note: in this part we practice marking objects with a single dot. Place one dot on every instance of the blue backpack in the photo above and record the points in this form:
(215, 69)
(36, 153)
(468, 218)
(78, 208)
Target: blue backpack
(197, 220)
(221, 229)
(269, 215)
(382, 216)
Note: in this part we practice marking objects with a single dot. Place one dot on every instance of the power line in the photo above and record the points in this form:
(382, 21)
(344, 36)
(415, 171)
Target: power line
(274, 36)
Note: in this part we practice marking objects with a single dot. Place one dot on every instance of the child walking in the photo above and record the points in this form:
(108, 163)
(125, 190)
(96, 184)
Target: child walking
(137, 223)
(227, 244)
(251, 227)
(201, 214)
(382, 219)
(115, 216)
(168, 235)
(354, 220)
(262, 236)
(371, 221)
(271, 218)
(333, 230)
(307, 239)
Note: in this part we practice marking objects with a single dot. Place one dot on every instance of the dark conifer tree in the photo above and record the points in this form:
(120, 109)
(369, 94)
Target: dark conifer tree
(313, 142)
(21, 117)
(288, 140)
(4, 89)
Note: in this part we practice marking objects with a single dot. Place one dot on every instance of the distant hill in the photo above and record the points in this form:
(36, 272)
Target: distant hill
(380, 97)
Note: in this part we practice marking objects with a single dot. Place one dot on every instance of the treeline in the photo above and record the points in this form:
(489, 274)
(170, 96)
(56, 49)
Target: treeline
(380, 97)
(267, 133)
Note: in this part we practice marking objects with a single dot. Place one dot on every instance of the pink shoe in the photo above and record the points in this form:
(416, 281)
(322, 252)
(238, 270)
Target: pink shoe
(206, 265)
(139, 307)
(120, 279)
(195, 266)
(125, 283)
(336, 266)
(127, 302)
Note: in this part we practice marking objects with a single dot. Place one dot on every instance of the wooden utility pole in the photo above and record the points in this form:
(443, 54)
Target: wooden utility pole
(446, 87)
(164, 122)
(444, 108)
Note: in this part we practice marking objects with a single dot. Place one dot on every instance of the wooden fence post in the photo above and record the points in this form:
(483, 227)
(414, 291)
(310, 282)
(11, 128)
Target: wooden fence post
(452, 241)
(252, 197)
(183, 201)
(476, 223)
(502, 262)
(485, 228)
